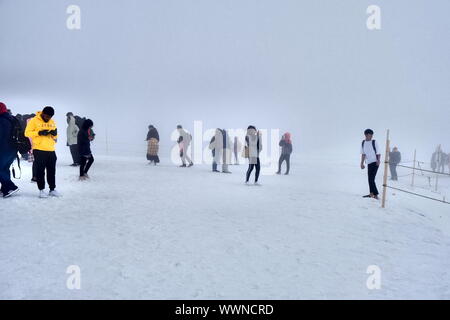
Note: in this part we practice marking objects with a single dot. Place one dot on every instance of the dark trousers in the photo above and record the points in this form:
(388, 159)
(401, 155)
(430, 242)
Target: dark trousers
(74, 153)
(287, 158)
(6, 160)
(250, 169)
(372, 170)
(85, 164)
(393, 168)
(45, 161)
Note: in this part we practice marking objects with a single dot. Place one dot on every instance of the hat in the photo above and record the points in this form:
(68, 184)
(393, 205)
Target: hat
(49, 111)
(3, 108)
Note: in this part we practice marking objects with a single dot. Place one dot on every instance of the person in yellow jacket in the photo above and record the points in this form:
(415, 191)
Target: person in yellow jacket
(43, 132)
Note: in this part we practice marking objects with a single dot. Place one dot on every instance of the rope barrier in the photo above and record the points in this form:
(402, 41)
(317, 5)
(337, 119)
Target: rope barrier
(419, 169)
(416, 194)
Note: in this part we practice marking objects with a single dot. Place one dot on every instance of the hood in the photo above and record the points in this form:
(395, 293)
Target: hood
(3, 108)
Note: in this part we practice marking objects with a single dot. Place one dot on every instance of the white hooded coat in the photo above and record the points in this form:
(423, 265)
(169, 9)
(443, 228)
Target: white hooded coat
(72, 132)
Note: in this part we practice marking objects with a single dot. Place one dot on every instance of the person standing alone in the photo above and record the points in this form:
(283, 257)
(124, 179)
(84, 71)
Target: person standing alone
(371, 156)
(72, 136)
(184, 142)
(286, 150)
(43, 132)
(84, 145)
(395, 157)
(152, 145)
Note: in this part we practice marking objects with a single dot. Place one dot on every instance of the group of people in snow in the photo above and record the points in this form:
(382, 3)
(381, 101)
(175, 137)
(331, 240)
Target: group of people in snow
(35, 138)
(223, 150)
(440, 160)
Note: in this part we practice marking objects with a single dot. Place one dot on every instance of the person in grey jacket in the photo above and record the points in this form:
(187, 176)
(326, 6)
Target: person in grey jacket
(286, 150)
(395, 157)
(72, 139)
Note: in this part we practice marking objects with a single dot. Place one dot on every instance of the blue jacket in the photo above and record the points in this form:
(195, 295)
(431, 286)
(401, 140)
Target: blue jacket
(6, 147)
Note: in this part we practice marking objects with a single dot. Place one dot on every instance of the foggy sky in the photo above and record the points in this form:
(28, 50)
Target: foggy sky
(308, 67)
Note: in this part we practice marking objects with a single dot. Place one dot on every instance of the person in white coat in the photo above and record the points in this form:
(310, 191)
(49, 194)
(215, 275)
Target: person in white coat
(237, 146)
(221, 144)
(253, 147)
(184, 142)
(72, 139)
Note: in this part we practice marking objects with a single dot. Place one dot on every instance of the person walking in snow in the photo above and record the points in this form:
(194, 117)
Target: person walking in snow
(237, 146)
(152, 145)
(286, 150)
(184, 142)
(221, 146)
(72, 138)
(84, 146)
(43, 132)
(370, 155)
(212, 147)
(7, 152)
(253, 147)
(395, 157)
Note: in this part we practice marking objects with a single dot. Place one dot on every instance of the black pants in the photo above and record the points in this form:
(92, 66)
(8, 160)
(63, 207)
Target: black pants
(85, 164)
(250, 169)
(372, 170)
(287, 158)
(45, 160)
(393, 168)
(74, 153)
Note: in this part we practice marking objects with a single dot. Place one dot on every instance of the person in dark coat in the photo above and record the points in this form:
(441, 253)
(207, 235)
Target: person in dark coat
(213, 153)
(84, 148)
(7, 152)
(395, 157)
(286, 150)
(152, 145)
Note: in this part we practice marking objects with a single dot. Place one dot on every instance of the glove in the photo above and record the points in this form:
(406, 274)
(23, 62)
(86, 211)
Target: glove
(43, 133)
(54, 132)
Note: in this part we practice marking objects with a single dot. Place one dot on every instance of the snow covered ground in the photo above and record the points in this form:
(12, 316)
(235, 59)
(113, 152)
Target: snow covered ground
(144, 232)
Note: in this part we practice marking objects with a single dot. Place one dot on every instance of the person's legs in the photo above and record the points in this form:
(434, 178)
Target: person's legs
(187, 157)
(75, 154)
(5, 173)
(258, 169)
(395, 172)
(89, 164)
(280, 162)
(83, 160)
(288, 163)
(39, 168)
(392, 170)
(51, 170)
(249, 171)
(372, 173)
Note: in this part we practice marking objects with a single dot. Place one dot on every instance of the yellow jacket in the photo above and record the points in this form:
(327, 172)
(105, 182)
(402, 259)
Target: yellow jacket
(43, 143)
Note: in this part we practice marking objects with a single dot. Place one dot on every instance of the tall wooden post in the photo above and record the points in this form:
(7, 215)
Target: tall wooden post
(386, 163)
(414, 168)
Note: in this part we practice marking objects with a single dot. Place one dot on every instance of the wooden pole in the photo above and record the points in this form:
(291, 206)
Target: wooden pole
(414, 168)
(386, 163)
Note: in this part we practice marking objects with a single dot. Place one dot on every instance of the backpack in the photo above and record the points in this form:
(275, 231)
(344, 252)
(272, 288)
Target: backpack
(21, 143)
(373, 145)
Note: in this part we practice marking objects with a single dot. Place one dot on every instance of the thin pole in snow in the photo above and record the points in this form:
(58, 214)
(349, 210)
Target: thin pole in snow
(414, 168)
(106, 140)
(386, 162)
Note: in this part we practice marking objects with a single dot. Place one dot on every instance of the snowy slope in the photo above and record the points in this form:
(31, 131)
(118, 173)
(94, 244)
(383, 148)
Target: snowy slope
(144, 232)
